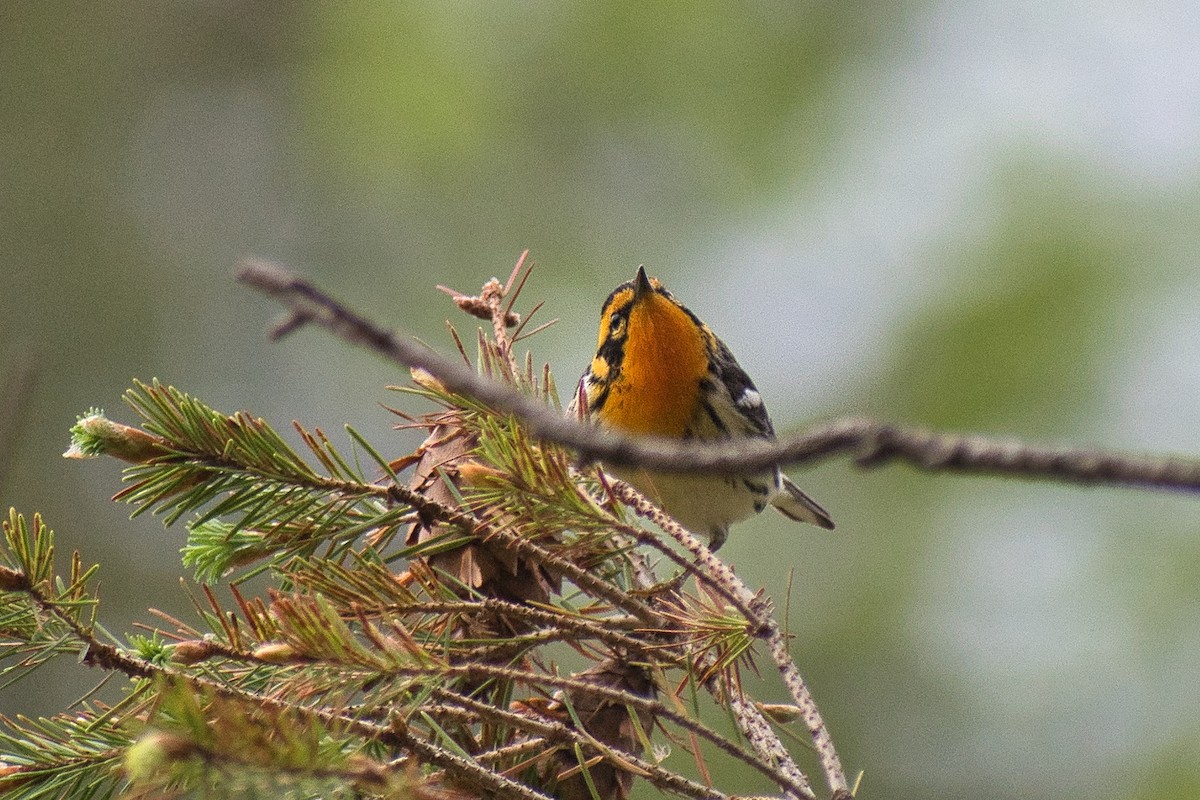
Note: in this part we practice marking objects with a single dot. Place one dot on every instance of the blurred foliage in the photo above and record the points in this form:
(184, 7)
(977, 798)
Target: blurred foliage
(956, 215)
(1038, 296)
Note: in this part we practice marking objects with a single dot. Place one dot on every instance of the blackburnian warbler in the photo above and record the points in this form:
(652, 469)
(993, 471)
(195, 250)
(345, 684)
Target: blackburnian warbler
(660, 371)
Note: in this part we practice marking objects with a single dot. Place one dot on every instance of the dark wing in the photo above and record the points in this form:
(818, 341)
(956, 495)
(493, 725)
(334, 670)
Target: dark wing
(749, 413)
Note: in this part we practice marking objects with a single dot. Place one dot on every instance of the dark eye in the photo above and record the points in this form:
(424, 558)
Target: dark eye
(616, 325)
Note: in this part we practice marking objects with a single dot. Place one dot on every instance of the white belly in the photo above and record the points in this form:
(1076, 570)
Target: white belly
(703, 504)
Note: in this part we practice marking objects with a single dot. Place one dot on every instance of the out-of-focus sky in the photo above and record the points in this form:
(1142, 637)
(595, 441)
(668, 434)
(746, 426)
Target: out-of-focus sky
(964, 215)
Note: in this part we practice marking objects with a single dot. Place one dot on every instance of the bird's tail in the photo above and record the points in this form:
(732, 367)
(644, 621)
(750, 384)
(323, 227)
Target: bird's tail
(793, 503)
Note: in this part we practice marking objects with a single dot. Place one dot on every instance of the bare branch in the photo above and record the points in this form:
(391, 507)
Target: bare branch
(870, 443)
(758, 731)
(751, 607)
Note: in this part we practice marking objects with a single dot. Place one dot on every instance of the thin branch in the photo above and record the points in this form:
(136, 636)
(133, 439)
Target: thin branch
(95, 652)
(762, 737)
(106, 657)
(750, 720)
(605, 629)
(763, 625)
(870, 443)
(582, 578)
(502, 754)
(556, 731)
(488, 671)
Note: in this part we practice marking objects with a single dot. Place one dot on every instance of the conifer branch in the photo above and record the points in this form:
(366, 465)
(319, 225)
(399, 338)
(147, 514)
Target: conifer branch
(473, 671)
(619, 696)
(558, 732)
(486, 780)
(29, 545)
(436, 648)
(43, 614)
(68, 755)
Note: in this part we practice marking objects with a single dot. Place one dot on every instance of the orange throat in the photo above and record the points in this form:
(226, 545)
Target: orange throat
(657, 392)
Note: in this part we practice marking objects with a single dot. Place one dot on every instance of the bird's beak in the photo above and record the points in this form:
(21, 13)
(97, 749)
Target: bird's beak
(641, 284)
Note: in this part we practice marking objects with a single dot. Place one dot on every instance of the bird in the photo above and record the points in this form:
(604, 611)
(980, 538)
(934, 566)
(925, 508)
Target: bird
(660, 371)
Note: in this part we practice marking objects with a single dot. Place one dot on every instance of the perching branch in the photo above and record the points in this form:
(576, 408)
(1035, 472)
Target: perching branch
(870, 443)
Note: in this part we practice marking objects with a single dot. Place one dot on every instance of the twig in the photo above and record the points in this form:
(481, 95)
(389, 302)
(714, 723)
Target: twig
(831, 763)
(717, 572)
(104, 656)
(871, 443)
(762, 737)
(107, 657)
(476, 671)
(606, 629)
(768, 748)
(95, 652)
(585, 580)
(556, 731)
(501, 754)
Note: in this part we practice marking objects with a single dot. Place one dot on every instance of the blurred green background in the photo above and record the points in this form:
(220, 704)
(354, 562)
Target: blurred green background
(959, 214)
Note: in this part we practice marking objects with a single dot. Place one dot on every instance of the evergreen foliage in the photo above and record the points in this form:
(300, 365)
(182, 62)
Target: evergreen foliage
(486, 627)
